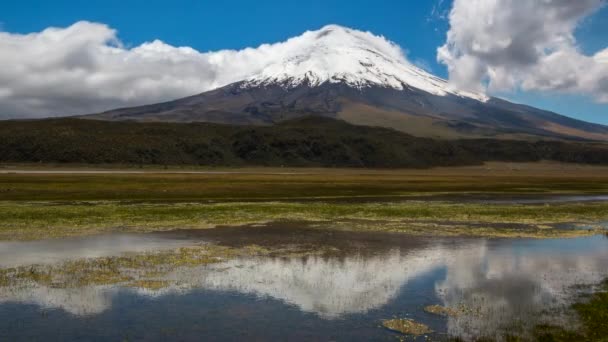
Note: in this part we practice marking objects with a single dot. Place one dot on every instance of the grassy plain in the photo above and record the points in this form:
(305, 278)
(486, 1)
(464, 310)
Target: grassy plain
(49, 203)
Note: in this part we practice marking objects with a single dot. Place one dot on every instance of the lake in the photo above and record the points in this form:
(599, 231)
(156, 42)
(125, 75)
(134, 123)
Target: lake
(336, 286)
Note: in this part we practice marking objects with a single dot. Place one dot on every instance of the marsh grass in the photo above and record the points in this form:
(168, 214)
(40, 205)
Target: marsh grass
(274, 184)
(37, 206)
(153, 285)
(441, 310)
(140, 270)
(36, 220)
(592, 313)
(134, 270)
(406, 326)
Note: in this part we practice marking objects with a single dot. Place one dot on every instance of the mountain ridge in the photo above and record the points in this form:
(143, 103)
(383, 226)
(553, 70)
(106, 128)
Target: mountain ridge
(366, 80)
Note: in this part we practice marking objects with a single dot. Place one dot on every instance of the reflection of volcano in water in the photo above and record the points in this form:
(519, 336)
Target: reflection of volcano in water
(328, 287)
(499, 279)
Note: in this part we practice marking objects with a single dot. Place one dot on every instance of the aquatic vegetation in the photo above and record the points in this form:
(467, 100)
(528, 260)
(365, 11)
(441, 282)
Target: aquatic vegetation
(406, 326)
(36, 220)
(452, 228)
(29, 273)
(143, 270)
(153, 285)
(441, 310)
(593, 316)
(551, 333)
(330, 282)
(135, 270)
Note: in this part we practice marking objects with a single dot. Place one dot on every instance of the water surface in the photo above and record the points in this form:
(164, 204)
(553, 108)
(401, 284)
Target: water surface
(18, 253)
(502, 285)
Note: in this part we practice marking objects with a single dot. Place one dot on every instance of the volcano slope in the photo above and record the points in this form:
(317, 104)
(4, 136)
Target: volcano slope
(308, 141)
(363, 79)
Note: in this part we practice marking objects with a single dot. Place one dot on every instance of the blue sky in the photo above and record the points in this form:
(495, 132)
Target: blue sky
(214, 25)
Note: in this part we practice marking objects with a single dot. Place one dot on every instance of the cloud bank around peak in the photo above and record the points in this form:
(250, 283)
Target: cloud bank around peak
(85, 68)
(523, 45)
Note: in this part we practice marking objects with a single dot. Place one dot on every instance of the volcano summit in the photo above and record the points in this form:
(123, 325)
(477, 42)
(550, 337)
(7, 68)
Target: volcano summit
(363, 79)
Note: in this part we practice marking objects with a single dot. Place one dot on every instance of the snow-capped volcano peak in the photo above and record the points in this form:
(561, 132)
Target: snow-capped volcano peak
(337, 54)
(352, 76)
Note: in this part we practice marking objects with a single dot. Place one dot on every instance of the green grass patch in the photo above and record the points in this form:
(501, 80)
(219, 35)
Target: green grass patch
(36, 220)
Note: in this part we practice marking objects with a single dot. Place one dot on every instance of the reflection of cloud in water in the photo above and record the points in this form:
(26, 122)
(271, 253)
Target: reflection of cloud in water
(78, 301)
(501, 279)
(20, 253)
(329, 287)
(506, 289)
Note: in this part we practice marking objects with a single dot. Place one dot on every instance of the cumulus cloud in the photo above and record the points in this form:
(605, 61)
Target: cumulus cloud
(529, 45)
(85, 68)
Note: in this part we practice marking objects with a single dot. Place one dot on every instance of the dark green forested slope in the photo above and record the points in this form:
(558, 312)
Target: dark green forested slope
(311, 141)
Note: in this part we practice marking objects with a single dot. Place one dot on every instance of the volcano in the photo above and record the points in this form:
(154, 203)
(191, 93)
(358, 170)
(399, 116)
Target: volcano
(363, 79)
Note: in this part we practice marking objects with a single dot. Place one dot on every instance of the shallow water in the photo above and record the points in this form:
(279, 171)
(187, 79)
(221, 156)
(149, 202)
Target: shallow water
(515, 199)
(543, 199)
(476, 198)
(14, 254)
(501, 285)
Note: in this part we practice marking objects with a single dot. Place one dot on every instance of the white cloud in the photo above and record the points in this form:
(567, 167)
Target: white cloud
(602, 56)
(529, 45)
(85, 68)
